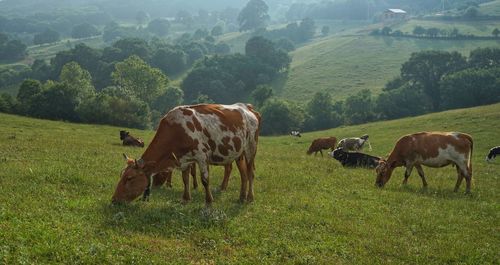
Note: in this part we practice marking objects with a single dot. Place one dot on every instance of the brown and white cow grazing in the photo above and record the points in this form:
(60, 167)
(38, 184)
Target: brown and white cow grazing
(432, 149)
(203, 134)
(322, 143)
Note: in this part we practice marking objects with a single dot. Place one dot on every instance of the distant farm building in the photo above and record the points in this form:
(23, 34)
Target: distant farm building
(394, 14)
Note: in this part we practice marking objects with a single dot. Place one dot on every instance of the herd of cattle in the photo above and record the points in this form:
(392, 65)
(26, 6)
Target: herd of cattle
(213, 134)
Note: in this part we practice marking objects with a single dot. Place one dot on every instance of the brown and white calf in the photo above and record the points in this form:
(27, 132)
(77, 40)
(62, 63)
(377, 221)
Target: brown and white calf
(205, 134)
(130, 140)
(432, 149)
(319, 144)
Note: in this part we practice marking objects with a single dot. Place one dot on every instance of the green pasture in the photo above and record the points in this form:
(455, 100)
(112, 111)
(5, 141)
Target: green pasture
(344, 65)
(57, 179)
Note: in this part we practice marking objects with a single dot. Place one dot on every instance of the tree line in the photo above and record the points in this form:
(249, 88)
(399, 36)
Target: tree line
(125, 85)
(429, 81)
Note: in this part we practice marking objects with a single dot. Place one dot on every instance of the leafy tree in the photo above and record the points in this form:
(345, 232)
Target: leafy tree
(217, 30)
(264, 50)
(202, 99)
(84, 30)
(222, 48)
(12, 50)
(78, 80)
(495, 32)
(47, 36)
(484, 58)
(139, 78)
(7, 103)
(402, 101)
(320, 113)
(359, 107)
(170, 61)
(278, 118)
(133, 46)
(432, 32)
(172, 97)
(159, 27)
(428, 67)
(28, 89)
(419, 30)
(56, 102)
(284, 44)
(471, 87)
(253, 15)
(394, 83)
(184, 18)
(116, 107)
(200, 34)
(325, 30)
(261, 94)
(386, 31)
(307, 29)
(471, 12)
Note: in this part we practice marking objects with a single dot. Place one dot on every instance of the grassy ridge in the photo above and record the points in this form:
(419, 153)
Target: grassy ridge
(57, 179)
(347, 64)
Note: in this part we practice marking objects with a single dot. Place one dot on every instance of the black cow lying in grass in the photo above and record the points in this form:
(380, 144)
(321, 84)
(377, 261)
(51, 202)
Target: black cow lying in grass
(493, 153)
(355, 159)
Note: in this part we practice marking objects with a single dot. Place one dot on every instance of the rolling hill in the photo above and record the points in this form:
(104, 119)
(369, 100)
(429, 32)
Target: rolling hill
(57, 180)
(352, 60)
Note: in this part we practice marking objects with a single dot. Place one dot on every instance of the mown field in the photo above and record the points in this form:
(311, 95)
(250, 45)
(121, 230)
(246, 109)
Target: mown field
(344, 65)
(57, 180)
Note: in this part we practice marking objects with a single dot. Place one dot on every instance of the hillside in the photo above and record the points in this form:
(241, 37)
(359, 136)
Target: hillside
(490, 8)
(344, 65)
(57, 180)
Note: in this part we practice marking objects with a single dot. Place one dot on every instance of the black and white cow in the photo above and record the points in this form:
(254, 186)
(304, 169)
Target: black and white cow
(354, 143)
(355, 159)
(295, 133)
(493, 153)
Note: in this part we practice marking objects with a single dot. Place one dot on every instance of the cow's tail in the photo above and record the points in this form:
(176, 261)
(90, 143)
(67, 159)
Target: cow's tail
(469, 162)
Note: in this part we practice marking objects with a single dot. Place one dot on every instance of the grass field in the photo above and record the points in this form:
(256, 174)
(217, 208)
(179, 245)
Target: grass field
(344, 65)
(57, 180)
(490, 8)
(478, 28)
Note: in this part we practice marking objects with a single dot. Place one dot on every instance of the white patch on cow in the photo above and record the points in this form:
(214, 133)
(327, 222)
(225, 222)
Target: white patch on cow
(445, 157)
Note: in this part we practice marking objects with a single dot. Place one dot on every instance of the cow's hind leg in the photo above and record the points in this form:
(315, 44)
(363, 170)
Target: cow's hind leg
(422, 176)
(321, 152)
(464, 171)
(193, 175)
(227, 172)
(185, 178)
(407, 174)
(242, 167)
(250, 176)
(205, 180)
(460, 177)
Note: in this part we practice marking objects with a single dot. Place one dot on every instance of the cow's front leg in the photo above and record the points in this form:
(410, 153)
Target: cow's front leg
(421, 173)
(185, 178)
(193, 174)
(321, 152)
(205, 181)
(407, 174)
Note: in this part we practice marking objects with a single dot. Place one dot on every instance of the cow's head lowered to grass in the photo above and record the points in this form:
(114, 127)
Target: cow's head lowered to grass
(134, 180)
(384, 172)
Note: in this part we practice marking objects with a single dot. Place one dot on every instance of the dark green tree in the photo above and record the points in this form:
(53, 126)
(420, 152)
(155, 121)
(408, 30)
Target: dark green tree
(47, 36)
(253, 15)
(484, 58)
(495, 32)
(419, 30)
(159, 27)
(84, 30)
(217, 30)
(321, 114)
(261, 94)
(358, 108)
(428, 67)
(278, 118)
